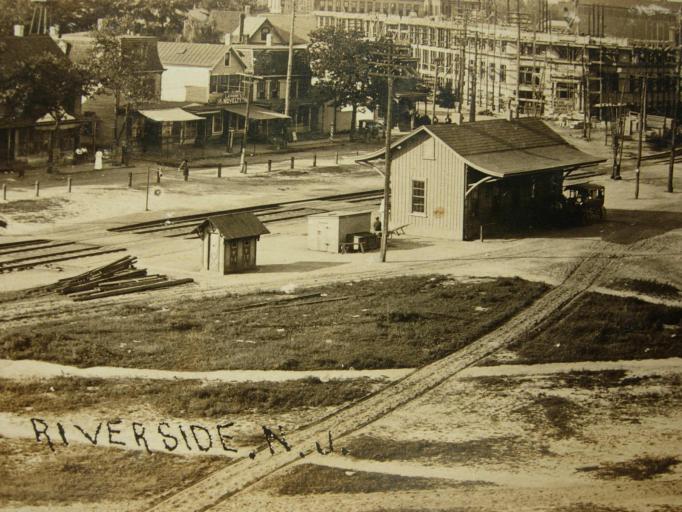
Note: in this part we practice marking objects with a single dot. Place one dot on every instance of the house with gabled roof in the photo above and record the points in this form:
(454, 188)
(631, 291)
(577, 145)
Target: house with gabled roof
(449, 180)
(25, 136)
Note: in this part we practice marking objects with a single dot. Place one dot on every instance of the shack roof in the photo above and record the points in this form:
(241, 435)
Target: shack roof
(235, 225)
(503, 148)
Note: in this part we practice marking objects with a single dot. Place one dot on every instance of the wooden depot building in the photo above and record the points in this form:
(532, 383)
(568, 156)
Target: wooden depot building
(449, 180)
(229, 242)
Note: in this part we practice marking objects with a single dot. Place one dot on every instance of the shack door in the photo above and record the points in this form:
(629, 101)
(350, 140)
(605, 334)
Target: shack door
(326, 231)
(213, 251)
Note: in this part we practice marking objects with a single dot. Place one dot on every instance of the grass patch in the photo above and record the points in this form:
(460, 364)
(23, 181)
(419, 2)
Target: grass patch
(641, 468)
(390, 323)
(32, 475)
(34, 210)
(605, 328)
(646, 286)
(556, 415)
(489, 450)
(312, 479)
(179, 398)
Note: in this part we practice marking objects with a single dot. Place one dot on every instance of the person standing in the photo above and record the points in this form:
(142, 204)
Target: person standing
(98, 160)
(184, 167)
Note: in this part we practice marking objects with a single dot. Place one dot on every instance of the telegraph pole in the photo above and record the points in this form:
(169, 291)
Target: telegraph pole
(435, 86)
(474, 77)
(290, 62)
(642, 121)
(676, 103)
(462, 65)
(249, 90)
(391, 64)
(518, 58)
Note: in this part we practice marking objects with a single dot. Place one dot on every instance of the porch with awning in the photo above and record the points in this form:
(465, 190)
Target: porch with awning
(256, 113)
(169, 115)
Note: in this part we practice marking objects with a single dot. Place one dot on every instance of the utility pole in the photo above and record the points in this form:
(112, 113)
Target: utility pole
(290, 62)
(518, 58)
(435, 87)
(586, 96)
(462, 65)
(642, 121)
(249, 90)
(474, 76)
(676, 103)
(392, 63)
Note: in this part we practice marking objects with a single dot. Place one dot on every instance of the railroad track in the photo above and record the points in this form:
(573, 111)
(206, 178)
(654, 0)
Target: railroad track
(184, 224)
(228, 481)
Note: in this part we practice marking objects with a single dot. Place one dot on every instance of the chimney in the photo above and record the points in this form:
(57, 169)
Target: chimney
(241, 27)
(227, 39)
(18, 30)
(54, 32)
(268, 40)
(247, 10)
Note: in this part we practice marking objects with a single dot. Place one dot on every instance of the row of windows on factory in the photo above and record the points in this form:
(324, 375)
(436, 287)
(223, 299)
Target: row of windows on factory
(369, 6)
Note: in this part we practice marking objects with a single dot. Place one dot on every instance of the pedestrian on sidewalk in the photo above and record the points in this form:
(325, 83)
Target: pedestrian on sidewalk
(98, 160)
(184, 167)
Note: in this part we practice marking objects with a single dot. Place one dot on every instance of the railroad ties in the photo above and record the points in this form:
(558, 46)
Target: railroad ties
(183, 226)
(120, 277)
(25, 255)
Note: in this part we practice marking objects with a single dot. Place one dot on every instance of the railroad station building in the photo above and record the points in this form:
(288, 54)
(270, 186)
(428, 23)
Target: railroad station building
(448, 180)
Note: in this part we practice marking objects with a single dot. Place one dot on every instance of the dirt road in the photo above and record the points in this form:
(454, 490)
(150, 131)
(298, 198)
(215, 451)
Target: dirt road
(235, 477)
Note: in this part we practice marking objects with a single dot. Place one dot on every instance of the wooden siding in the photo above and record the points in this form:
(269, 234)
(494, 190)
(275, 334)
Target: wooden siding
(444, 178)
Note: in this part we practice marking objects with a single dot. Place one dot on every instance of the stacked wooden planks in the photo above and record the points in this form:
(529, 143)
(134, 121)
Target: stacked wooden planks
(117, 278)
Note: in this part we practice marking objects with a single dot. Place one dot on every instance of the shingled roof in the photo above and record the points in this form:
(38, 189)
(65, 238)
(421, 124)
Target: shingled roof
(235, 225)
(192, 54)
(503, 148)
(14, 50)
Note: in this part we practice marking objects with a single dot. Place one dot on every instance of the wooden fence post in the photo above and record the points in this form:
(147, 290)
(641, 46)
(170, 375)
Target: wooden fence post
(68, 183)
(269, 165)
(220, 170)
(292, 162)
(37, 186)
(314, 159)
(130, 180)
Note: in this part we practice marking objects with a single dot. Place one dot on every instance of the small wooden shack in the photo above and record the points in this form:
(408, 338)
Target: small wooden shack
(328, 231)
(229, 242)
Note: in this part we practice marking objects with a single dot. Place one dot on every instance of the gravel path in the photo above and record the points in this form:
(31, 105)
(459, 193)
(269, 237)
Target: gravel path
(30, 369)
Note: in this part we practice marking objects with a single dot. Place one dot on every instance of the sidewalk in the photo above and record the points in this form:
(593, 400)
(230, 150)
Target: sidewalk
(199, 157)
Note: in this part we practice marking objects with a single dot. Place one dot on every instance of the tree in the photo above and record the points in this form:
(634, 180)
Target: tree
(340, 66)
(120, 72)
(46, 83)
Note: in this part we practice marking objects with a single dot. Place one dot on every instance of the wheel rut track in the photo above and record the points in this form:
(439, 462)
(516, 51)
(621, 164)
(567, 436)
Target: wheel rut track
(222, 484)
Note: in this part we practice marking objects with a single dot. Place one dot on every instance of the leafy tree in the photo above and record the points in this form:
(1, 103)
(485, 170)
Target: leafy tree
(120, 72)
(44, 84)
(339, 60)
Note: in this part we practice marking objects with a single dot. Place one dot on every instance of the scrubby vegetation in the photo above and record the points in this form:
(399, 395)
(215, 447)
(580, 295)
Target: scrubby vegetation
(390, 323)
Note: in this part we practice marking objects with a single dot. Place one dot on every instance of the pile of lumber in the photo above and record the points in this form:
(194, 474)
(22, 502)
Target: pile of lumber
(118, 278)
